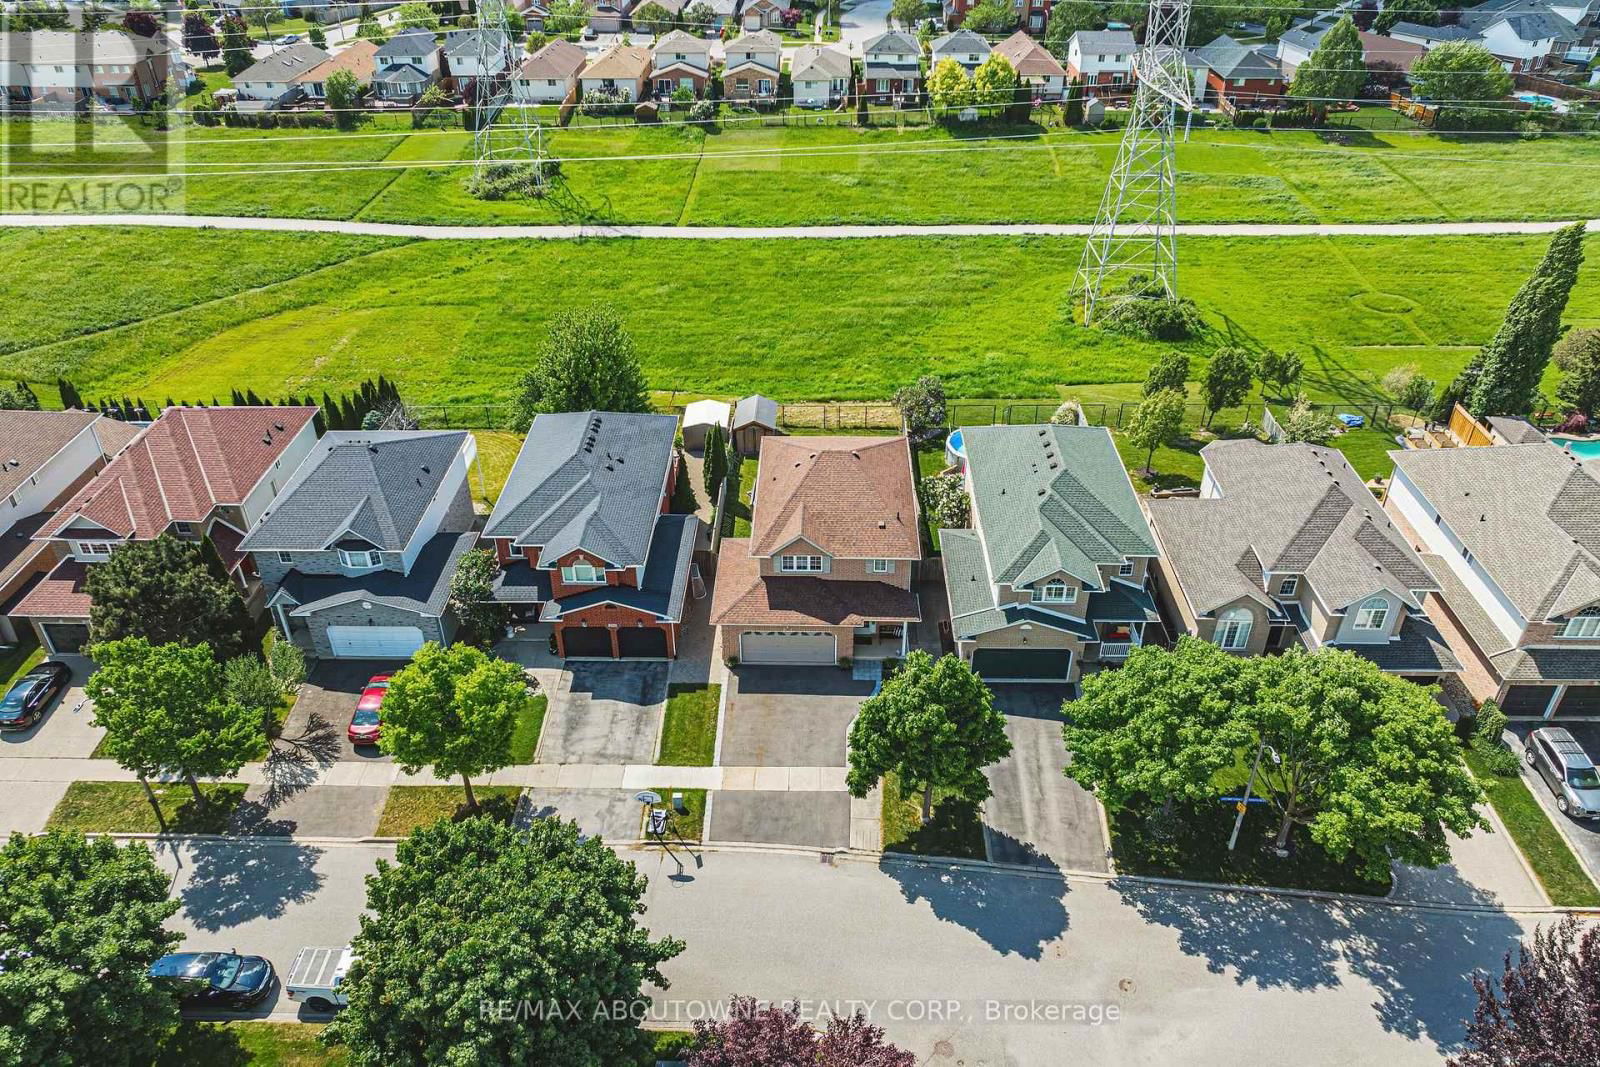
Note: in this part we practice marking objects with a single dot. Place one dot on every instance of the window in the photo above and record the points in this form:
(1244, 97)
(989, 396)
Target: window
(1373, 614)
(94, 548)
(1126, 569)
(883, 85)
(1239, 82)
(1289, 586)
(764, 86)
(583, 574)
(1585, 623)
(1233, 629)
(880, 566)
(360, 560)
(284, 557)
(800, 564)
(184, 528)
(1054, 592)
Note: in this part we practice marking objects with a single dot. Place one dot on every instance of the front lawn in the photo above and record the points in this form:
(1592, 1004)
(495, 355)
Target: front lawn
(248, 1044)
(123, 808)
(955, 830)
(411, 806)
(1558, 870)
(689, 731)
(27, 655)
(530, 720)
(691, 824)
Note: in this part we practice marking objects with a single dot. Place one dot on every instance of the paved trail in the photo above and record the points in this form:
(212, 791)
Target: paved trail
(753, 233)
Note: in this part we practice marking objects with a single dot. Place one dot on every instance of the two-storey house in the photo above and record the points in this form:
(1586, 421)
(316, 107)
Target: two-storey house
(751, 69)
(108, 68)
(1240, 75)
(1512, 532)
(358, 547)
(194, 473)
(892, 68)
(820, 76)
(1102, 61)
(587, 548)
(405, 66)
(1044, 76)
(828, 569)
(965, 47)
(550, 75)
(1286, 546)
(681, 61)
(471, 56)
(1052, 574)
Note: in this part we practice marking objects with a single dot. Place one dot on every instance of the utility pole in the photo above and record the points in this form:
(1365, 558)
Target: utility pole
(492, 92)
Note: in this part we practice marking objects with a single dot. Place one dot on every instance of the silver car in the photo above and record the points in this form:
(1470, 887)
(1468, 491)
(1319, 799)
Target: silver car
(1558, 758)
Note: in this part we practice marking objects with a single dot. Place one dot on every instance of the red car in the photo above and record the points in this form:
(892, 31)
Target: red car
(366, 722)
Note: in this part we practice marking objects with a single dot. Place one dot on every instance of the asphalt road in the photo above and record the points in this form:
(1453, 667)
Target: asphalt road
(970, 964)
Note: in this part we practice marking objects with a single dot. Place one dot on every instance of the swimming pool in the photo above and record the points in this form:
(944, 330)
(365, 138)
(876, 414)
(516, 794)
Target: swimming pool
(1585, 449)
(1541, 100)
(955, 451)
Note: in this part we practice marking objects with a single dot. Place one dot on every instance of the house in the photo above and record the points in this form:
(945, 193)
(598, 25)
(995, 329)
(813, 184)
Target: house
(605, 16)
(723, 13)
(1035, 66)
(1241, 75)
(193, 473)
(1102, 60)
(680, 61)
(474, 55)
(750, 71)
(761, 14)
(754, 418)
(965, 47)
(892, 70)
(1510, 533)
(533, 13)
(407, 64)
(819, 76)
(1525, 35)
(58, 68)
(1033, 15)
(698, 418)
(1378, 52)
(827, 571)
(621, 68)
(1052, 574)
(359, 59)
(588, 551)
(1286, 546)
(549, 75)
(357, 549)
(275, 81)
(45, 457)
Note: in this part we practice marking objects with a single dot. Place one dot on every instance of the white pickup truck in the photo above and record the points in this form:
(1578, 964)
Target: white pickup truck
(316, 975)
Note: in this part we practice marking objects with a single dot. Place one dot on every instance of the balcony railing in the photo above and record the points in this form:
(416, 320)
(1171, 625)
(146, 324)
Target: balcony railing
(1115, 649)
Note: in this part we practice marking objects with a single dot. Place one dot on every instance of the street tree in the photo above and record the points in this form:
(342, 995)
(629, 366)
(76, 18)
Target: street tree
(164, 590)
(1336, 70)
(949, 87)
(317, 36)
(906, 14)
(1545, 1006)
(83, 923)
(199, 36)
(587, 362)
(287, 663)
(653, 18)
(1463, 72)
(933, 724)
(714, 463)
(995, 82)
(568, 16)
(342, 91)
(753, 1033)
(1171, 371)
(990, 17)
(923, 410)
(1416, 12)
(1579, 358)
(476, 912)
(248, 681)
(1157, 420)
(453, 709)
(472, 602)
(1506, 372)
(1227, 380)
(166, 710)
(370, 29)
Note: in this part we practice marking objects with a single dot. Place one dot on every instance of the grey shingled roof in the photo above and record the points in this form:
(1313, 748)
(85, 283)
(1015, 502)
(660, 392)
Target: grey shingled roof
(1106, 42)
(1515, 431)
(466, 42)
(1529, 23)
(590, 480)
(1284, 509)
(1053, 498)
(1548, 665)
(284, 64)
(960, 41)
(1529, 514)
(1419, 650)
(894, 42)
(1235, 59)
(756, 410)
(973, 610)
(409, 43)
(813, 60)
(666, 576)
(425, 590)
(374, 485)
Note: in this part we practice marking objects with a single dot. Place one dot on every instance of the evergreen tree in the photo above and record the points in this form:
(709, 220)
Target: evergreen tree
(1505, 374)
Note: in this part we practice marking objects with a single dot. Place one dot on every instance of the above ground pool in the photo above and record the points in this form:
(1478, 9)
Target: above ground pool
(1541, 100)
(955, 452)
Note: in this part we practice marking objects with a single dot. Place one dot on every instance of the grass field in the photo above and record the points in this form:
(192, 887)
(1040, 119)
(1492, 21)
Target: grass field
(411, 806)
(123, 807)
(753, 173)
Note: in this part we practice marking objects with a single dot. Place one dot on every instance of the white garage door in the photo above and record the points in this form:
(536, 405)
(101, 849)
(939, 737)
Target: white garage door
(374, 642)
(787, 647)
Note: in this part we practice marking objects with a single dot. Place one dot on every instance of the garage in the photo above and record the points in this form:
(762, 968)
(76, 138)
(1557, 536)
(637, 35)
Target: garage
(1527, 700)
(815, 647)
(65, 636)
(1581, 700)
(1023, 664)
(374, 642)
(586, 641)
(642, 642)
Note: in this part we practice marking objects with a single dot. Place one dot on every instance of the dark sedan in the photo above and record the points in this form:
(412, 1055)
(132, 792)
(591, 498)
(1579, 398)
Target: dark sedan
(31, 695)
(215, 979)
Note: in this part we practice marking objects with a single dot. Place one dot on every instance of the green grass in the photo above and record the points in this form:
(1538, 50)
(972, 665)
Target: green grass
(27, 654)
(411, 806)
(530, 720)
(122, 807)
(737, 511)
(690, 825)
(1558, 870)
(689, 732)
(956, 828)
(248, 1044)
(497, 451)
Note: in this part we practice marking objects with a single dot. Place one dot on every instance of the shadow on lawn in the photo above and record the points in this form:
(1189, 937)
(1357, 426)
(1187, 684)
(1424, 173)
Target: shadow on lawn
(1012, 913)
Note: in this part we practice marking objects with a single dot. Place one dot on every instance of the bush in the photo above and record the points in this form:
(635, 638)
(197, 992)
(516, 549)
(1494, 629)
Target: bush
(703, 111)
(512, 181)
(1488, 741)
(605, 101)
(945, 498)
(1153, 318)
(1068, 414)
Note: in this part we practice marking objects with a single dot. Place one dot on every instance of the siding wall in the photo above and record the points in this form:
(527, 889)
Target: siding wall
(378, 615)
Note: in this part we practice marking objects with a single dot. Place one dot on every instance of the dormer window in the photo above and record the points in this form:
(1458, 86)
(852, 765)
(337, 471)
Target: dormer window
(583, 574)
(1289, 586)
(800, 564)
(360, 560)
(1585, 623)
(1054, 592)
(1373, 615)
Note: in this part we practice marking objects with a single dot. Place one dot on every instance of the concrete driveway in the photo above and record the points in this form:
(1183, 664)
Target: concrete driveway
(789, 716)
(65, 731)
(816, 820)
(327, 700)
(609, 814)
(1037, 815)
(605, 713)
(1582, 834)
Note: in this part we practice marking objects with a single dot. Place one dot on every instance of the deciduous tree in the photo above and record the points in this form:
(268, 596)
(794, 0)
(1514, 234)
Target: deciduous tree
(1461, 72)
(1336, 69)
(472, 602)
(1227, 381)
(906, 14)
(753, 1033)
(1545, 1007)
(342, 91)
(236, 44)
(923, 411)
(1157, 420)
(1281, 370)
(949, 87)
(945, 498)
(1068, 18)
(1580, 372)
(653, 18)
(1408, 387)
(995, 82)
(163, 590)
(990, 17)
(1304, 424)
(568, 16)
(1505, 374)
(1171, 371)
(416, 15)
(588, 362)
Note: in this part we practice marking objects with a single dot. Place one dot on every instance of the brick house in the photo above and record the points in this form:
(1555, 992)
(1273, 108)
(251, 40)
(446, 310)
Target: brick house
(587, 548)
(892, 69)
(681, 61)
(1239, 75)
(827, 571)
(58, 68)
(753, 62)
(194, 473)
(358, 548)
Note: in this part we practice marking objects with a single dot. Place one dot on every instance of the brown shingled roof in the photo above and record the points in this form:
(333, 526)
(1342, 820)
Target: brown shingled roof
(61, 594)
(28, 440)
(852, 497)
(742, 597)
(358, 59)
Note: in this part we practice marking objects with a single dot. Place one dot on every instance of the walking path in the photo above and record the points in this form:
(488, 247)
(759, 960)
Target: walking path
(761, 233)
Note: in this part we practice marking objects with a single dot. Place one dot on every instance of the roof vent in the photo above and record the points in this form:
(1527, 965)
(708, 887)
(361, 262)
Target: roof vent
(854, 454)
(372, 448)
(882, 524)
(609, 467)
(1054, 465)
(266, 440)
(278, 426)
(1041, 490)
(426, 469)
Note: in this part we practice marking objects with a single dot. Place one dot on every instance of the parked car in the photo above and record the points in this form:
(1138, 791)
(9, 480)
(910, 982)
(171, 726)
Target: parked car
(215, 979)
(367, 722)
(286, 39)
(1567, 769)
(316, 975)
(27, 700)
(590, 33)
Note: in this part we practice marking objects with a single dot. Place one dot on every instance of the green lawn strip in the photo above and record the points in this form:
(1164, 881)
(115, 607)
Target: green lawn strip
(689, 731)
(1197, 851)
(411, 806)
(241, 1043)
(956, 828)
(497, 451)
(736, 510)
(530, 720)
(122, 807)
(1546, 850)
(691, 824)
(27, 655)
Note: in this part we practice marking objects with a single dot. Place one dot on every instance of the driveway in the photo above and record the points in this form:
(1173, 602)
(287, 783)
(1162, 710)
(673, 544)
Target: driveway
(610, 814)
(812, 819)
(65, 731)
(327, 701)
(1582, 834)
(605, 713)
(789, 716)
(860, 23)
(1037, 815)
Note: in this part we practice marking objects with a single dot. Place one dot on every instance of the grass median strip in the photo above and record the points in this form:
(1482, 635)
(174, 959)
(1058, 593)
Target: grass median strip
(235, 1044)
(411, 806)
(689, 732)
(689, 824)
(956, 828)
(530, 720)
(1541, 843)
(124, 808)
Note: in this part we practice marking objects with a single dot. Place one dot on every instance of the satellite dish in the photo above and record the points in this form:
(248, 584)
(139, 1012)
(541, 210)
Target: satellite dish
(648, 797)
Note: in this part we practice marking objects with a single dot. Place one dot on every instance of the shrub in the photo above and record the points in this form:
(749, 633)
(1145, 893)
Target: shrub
(1488, 741)
(703, 111)
(945, 498)
(605, 101)
(513, 181)
(1068, 414)
(1153, 318)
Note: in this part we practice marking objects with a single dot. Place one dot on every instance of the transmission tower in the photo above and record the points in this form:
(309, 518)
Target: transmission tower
(493, 141)
(1134, 233)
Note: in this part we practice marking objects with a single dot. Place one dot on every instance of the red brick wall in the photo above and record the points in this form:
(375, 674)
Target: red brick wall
(607, 615)
(613, 577)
